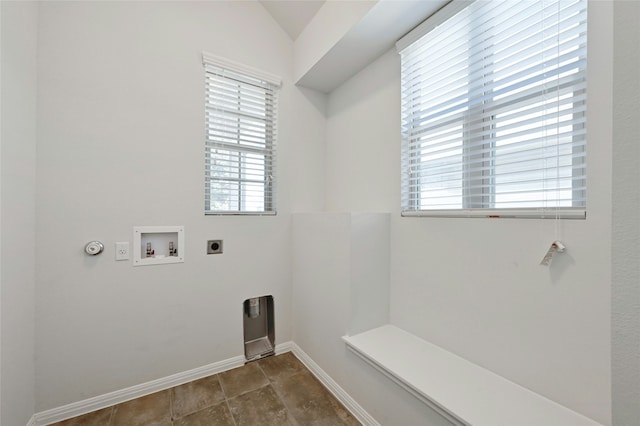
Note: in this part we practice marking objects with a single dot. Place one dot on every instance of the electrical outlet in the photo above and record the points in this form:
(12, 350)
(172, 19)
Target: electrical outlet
(214, 246)
(122, 251)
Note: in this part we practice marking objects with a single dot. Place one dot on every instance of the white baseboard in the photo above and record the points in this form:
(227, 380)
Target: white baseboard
(284, 347)
(341, 395)
(103, 401)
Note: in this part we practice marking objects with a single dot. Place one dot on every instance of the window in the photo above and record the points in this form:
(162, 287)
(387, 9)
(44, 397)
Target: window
(240, 146)
(494, 110)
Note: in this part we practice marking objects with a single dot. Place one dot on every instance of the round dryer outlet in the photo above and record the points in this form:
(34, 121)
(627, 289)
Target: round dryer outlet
(214, 246)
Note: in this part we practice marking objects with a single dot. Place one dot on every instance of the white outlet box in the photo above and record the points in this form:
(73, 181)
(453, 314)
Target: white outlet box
(156, 245)
(122, 251)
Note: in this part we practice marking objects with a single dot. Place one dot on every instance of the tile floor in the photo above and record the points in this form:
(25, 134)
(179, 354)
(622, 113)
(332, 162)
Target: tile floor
(277, 390)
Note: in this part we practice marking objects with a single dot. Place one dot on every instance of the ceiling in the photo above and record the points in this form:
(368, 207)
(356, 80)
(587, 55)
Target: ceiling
(292, 15)
(363, 31)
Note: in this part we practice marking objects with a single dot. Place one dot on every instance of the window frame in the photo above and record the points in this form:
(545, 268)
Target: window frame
(236, 143)
(411, 203)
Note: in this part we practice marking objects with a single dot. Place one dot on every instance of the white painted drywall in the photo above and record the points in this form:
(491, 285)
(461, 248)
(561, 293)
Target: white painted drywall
(474, 286)
(626, 208)
(121, 144)
(339, 280)
(362, 153)
(321, 296)
(369, 276)
(330, 24)
(338, 43)
(18, 198)
(102, 326)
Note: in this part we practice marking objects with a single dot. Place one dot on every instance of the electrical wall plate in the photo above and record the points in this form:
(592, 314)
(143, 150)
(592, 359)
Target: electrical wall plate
(122, 250)
(214, 246)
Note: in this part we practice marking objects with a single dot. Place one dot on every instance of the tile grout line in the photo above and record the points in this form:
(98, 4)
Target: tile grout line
(111, 415)
(275, 390)
(330, 397)
(171, 404)
(226, 400)
(280, 397)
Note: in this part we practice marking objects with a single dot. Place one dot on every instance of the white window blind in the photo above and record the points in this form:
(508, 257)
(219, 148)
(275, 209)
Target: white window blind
(494, 110)
(240, 147)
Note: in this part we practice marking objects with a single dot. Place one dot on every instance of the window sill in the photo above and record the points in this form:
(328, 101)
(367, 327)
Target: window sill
(563, 213)
(240, 213)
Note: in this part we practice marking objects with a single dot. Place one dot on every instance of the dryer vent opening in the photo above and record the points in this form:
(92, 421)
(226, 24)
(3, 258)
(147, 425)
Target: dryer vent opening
(258, 325)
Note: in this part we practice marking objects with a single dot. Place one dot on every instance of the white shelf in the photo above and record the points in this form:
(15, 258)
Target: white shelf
(463, 392)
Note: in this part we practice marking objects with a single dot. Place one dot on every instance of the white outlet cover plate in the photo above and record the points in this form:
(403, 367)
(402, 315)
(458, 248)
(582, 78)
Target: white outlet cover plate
(122, 251)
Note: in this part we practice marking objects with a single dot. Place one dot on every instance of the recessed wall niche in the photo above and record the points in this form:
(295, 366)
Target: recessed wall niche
(156, 245)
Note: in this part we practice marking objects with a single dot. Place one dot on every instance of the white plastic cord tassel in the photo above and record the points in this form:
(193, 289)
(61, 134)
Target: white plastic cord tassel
(556, 247)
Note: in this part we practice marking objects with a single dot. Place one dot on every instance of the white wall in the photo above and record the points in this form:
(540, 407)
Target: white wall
(120, 93)
(330, 23)
(626, 227)
(120, 144)
(18, 173)
(474, 286)
(362, 166)
(337, 292)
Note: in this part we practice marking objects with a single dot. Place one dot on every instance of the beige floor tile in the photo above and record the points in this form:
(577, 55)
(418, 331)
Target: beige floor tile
(218, 415)
(310, 403)
(96, 418)
(196, 395)
(259, 407)
(242, 379)
(276, 390)
(280, 366)
(150, 410)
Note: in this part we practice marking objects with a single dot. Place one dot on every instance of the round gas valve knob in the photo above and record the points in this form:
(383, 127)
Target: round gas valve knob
(94, 247)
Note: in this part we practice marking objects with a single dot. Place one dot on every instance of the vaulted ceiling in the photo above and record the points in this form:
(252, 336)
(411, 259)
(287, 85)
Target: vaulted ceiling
(292, 16)
(334, 39)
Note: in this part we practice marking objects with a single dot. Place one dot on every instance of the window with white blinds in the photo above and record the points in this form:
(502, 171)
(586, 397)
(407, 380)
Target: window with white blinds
(494, 110)
(240, 146)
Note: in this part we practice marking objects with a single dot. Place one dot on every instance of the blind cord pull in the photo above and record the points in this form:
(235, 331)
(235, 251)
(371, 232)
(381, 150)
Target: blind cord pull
(556, 247)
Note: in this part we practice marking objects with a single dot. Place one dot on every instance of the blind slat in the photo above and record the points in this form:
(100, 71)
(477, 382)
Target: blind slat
(240, 144)
(494, 108)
